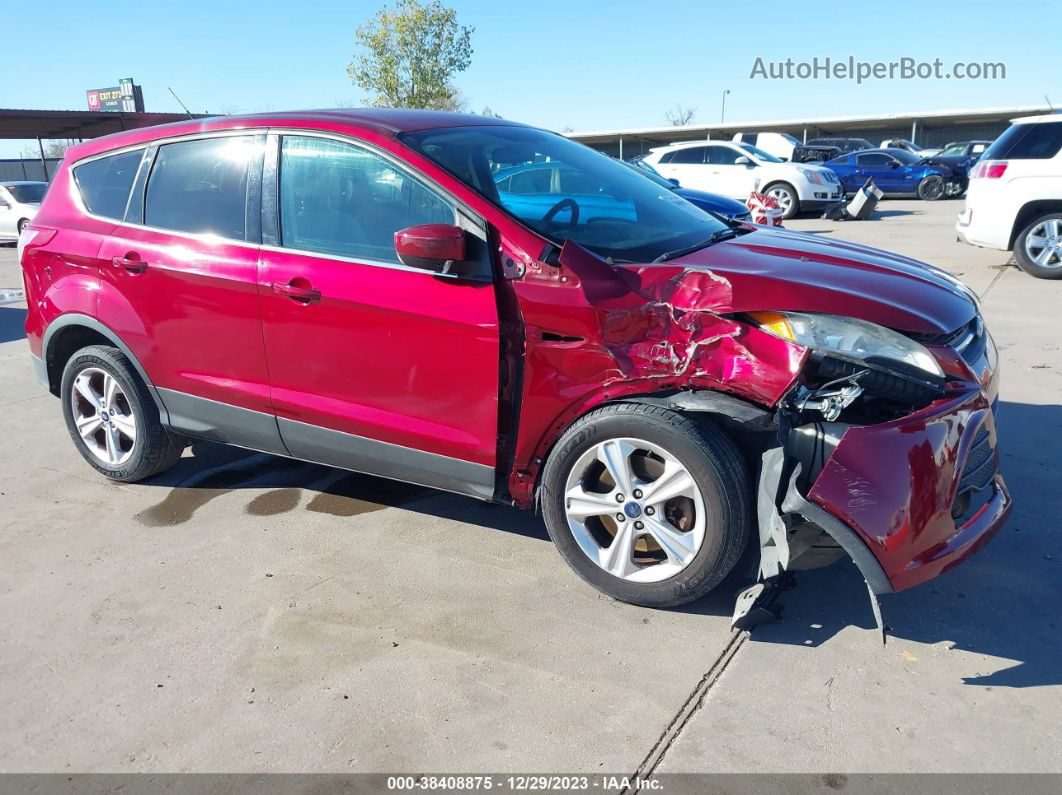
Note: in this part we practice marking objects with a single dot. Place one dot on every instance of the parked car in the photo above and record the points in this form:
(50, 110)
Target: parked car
(845, 145)
(354, 288)
(18, 204)
(961, 155)
(897, 173)
(907, 146)
(786, 147)
(1015, 196)
(710, 202)
(737, 169)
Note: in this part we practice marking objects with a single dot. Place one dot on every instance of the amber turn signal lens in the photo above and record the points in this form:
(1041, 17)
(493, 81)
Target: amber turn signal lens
(774, 322)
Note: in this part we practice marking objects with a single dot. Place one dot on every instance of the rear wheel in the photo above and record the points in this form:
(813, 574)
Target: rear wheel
(112, 418)
(931, 188)
(1038, 248)
(22, 224)
(786, 196)
(647, 505)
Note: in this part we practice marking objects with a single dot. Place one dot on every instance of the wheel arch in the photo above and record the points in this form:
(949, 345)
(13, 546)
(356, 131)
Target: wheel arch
(69, 333)
(739, 418)
(1027, 212)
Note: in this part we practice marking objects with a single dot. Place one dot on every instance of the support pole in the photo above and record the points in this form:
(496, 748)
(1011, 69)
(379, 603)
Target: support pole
(621, 147)
(44, 161)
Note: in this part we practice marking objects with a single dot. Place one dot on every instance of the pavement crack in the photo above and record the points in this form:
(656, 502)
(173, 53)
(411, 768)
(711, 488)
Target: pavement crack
(685, 713)
(1002, 269)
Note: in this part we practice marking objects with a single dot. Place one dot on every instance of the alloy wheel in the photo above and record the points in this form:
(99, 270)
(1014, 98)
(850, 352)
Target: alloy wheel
(635, 510)
(783, 197)
(1043, 244)
(103, 416)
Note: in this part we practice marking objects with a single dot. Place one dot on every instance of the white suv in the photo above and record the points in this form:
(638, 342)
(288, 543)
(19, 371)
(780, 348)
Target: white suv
(1015, 196)
(738, 169)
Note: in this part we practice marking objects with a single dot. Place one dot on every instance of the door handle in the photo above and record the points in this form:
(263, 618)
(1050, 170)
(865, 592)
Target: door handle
(298, 290)
(130, 262)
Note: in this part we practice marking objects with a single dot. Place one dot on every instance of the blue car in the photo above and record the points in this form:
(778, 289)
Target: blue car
(898, 173)
(712, 202)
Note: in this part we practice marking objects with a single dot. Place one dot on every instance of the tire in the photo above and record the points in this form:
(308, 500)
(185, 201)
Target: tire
(1043, 233)
(21, 225)
(931, 188)
(719, 480)
(131, 444)
(786, 196)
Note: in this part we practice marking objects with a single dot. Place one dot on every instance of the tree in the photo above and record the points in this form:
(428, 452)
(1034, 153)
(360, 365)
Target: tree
(411, 54)
(53, 148)
(488, 112)
(680, 116)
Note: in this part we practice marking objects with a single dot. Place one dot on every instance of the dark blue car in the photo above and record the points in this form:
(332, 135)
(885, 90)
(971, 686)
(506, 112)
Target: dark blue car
(712, 202)
(897, 172)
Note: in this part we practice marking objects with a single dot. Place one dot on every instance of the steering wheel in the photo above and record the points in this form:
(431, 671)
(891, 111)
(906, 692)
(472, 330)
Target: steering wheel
(556, 208)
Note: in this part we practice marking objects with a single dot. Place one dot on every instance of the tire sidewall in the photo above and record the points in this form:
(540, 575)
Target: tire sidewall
(712, 561)
(138, 460)
(1023, 260)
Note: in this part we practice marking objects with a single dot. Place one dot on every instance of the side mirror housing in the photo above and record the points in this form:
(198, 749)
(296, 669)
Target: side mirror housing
(675, 182)
(431, 246)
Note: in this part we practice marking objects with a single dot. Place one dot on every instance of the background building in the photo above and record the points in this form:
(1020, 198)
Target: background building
(932, 129)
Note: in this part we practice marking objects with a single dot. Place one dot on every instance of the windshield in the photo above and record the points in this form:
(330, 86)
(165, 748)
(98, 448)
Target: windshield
(566, 191)
(30, 193)
(759, 154)
(647, 170)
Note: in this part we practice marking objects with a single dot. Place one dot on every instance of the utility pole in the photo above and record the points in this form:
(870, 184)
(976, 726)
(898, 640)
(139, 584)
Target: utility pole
(722, 111)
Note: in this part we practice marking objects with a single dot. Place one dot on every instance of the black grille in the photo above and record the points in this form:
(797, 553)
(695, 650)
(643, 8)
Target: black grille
(969, 340)
(980, 466)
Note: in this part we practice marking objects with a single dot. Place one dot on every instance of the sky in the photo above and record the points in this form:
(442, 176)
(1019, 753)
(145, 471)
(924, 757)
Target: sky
(552, 63)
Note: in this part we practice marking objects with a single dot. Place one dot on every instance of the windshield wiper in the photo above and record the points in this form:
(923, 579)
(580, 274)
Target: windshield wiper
(719, 234)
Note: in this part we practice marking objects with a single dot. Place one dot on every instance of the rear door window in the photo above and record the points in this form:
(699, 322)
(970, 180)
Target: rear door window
(104, 183)
(200, 186)
(341, 199)
(722, 155)
(1027, 142)
(689, 155)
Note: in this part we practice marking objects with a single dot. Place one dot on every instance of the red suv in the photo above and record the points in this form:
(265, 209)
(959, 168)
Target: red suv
(401, 293)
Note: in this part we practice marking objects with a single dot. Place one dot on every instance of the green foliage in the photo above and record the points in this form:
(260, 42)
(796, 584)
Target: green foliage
(410, 55)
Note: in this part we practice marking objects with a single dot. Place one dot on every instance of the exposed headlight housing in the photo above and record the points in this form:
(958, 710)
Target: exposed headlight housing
(848, 337)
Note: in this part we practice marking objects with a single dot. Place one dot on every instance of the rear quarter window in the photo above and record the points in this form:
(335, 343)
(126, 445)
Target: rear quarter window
(104, 183)
(1027, 142)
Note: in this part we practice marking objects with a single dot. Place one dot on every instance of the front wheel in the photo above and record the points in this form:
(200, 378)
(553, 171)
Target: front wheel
(22, 225)
(931, 188)
(786, 196)
(647, 505)
(112, 418)
(1038, 248)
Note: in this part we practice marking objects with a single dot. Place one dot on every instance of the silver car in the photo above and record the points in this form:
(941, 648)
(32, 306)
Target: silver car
(19, 202)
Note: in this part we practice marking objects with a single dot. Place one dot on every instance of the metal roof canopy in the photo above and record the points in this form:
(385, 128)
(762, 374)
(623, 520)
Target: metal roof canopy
(835, 124)
(29, 124)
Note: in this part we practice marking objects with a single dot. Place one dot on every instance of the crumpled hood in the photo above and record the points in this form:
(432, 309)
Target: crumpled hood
(779, 269)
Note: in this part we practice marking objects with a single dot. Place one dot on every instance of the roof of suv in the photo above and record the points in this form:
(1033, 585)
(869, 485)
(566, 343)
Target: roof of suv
(388, 121)
(1047, 117)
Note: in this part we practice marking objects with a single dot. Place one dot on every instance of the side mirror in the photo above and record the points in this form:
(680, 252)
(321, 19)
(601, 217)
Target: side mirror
(675, 182)
(894, 164)
(742, 161)
(4, 204)
(431, 246)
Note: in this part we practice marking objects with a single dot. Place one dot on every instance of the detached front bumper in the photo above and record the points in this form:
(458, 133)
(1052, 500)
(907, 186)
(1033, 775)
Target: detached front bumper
(897, 484)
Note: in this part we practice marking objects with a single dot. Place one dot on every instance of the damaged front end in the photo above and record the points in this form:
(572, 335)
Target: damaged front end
(894, 466)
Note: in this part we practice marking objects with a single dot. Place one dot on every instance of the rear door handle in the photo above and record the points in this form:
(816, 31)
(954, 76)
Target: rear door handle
(130, 262)
(298, 290)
